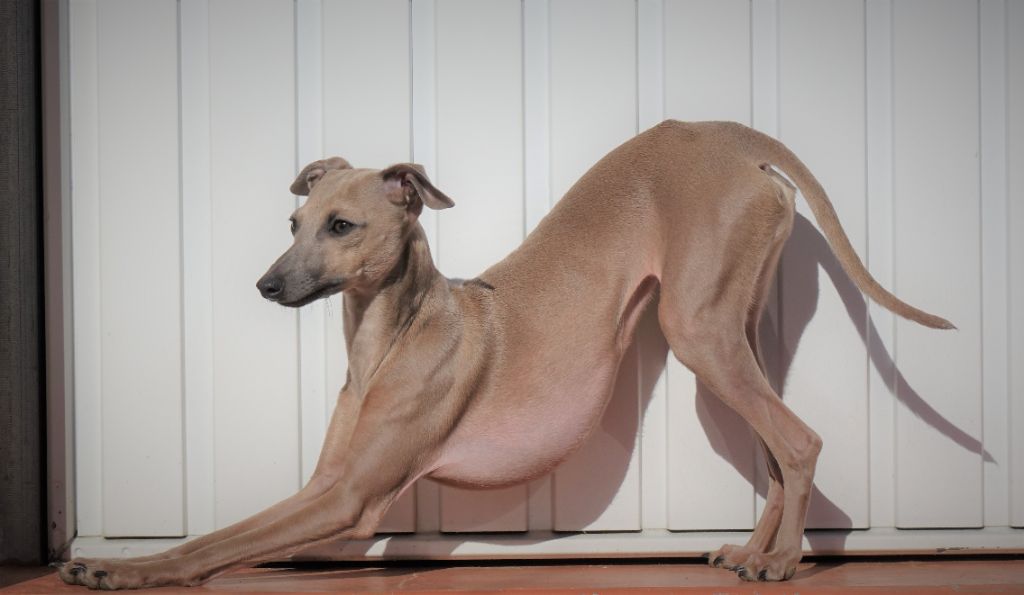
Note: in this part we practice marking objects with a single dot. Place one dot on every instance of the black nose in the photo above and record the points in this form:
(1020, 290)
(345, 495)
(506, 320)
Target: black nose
(270, 287)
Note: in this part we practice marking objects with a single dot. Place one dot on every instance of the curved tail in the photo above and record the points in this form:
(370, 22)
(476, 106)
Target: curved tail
(828, 221)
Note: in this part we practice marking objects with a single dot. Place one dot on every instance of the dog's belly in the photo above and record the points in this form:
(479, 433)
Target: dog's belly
(512, 435)
(547, 390)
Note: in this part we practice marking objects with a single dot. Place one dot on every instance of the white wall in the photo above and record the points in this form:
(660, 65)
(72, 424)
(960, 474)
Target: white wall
(198, 403)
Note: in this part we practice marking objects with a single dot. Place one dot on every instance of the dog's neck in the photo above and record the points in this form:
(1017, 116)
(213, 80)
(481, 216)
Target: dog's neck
(375, 321)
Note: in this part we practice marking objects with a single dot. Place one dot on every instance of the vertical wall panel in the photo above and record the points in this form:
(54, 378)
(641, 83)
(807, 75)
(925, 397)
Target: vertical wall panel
(369, 125)
(536, 111)
(598, 487)
(197, 282)
(650, 58)
(593, 80)
(480, 165)
(994, 262)
(1015, 167)
(479, 133)
(879, 258)
(764, 66)
(252, 112)
(423, 54)
(937, 247)
(423, 116)
(478, 511)
(707, 77)
(140, 280)
(537, 177)
(824, 357)
(707, 60)
(651, 345)
(366, 43)
(594, 109)
(85, 216)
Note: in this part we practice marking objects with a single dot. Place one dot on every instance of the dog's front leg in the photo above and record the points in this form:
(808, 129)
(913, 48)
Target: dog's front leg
(81, 566)
(340, 512)
(338, 434)
(337, 513)
(389, 445)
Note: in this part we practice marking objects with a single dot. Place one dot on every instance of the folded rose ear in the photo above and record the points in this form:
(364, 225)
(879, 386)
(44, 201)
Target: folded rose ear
(408, 184)
(312, 173)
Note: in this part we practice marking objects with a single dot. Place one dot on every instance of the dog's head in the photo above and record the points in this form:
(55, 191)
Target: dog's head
(351, 231)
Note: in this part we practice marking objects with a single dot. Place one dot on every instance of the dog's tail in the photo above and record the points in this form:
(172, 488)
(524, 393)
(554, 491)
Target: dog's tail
(777, 154)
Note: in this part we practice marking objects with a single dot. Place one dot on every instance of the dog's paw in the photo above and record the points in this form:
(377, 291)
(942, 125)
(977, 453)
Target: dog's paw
(730, 556)
(73, 572)
(112, 575)
(769, 566)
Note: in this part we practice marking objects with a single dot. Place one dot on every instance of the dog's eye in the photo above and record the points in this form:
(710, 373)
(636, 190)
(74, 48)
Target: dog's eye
(295, 226)
(340, 227)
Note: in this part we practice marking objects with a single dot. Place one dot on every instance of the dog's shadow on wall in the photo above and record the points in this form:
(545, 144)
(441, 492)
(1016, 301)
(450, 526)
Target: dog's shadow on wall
(806, 253)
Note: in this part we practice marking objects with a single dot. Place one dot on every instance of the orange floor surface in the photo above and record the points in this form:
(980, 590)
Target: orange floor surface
(830, 576)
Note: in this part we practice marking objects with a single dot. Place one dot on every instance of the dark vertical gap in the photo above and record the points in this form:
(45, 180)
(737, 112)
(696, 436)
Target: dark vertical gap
(33, 28)
(53, 219)
(22, 411)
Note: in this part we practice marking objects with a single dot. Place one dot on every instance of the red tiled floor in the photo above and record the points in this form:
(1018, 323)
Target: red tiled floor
(914, 576)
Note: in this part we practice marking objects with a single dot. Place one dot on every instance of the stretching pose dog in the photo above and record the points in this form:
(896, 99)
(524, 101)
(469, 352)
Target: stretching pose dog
(496, 380)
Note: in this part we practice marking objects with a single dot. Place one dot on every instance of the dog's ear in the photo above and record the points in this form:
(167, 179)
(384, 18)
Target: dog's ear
(408, 185)
(312, 173)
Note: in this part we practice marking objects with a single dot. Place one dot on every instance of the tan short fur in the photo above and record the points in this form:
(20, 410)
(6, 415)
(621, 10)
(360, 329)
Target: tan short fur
(494, 381)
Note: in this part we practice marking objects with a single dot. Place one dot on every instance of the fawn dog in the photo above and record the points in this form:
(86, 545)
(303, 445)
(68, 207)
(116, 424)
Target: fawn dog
(496, 380)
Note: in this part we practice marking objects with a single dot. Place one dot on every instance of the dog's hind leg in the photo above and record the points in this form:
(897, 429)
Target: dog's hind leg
(709, 317)
(763, 537)
(728, 367)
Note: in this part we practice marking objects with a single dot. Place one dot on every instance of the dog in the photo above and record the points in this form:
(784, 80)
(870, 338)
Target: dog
(494, 381)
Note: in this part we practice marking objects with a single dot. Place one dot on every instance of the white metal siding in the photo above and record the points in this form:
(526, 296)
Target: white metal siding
(1012, 209)
(198, 403)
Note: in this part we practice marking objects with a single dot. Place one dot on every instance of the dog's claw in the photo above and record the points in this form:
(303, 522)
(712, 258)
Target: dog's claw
(100, 573)
(718, 561)
(742, 572)
(77, 569)
(763, 575)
